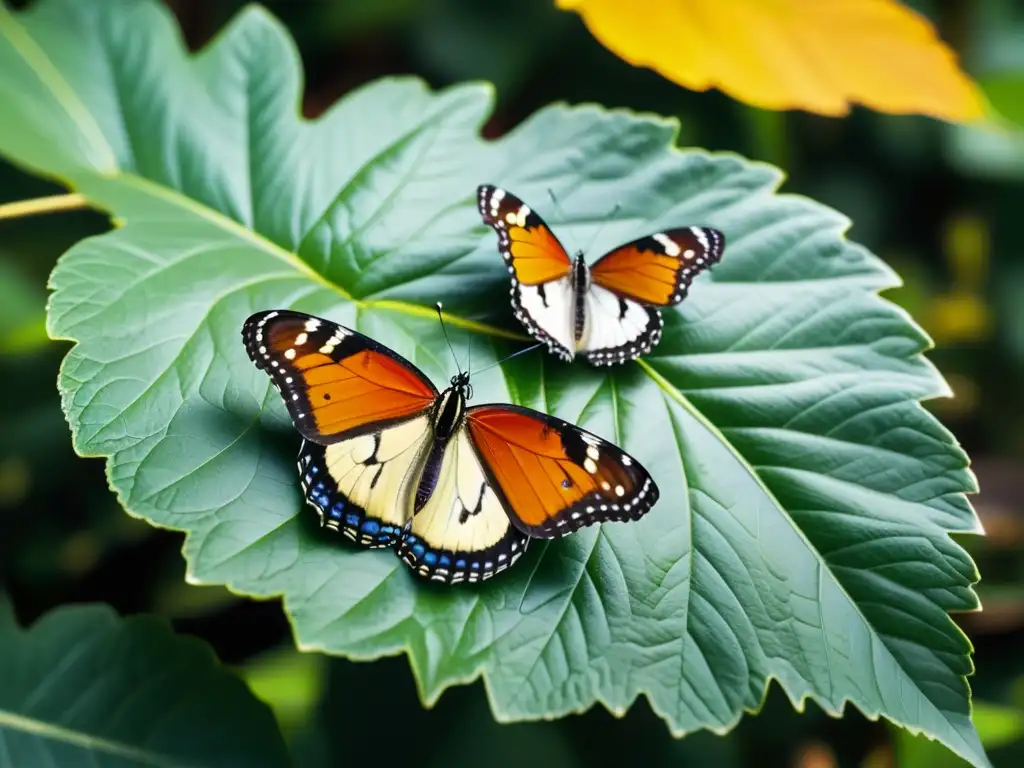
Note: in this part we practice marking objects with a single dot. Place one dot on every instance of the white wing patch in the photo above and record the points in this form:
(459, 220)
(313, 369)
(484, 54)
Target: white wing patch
(611, 336)
(549, 308)
(378, 471)
(462, 532)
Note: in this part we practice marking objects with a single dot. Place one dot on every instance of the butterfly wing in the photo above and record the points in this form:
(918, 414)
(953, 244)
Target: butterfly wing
(617, 329)
(552, 477)
(363, 486)
(365, 414)
(335, 382)
(540, 269)
(626, 284)
(657, 270)
(461, 532)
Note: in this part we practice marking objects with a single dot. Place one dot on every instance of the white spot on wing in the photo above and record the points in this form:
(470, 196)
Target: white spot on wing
(671, 246)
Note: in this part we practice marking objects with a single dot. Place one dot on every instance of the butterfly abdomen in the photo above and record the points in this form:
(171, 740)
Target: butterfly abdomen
(448, 415)
(580, 284)
(431, 473)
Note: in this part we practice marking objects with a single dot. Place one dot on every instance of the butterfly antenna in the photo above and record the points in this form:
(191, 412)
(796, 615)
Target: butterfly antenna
(602, 225)
(509, 357)
(561, 213)
(445, 331)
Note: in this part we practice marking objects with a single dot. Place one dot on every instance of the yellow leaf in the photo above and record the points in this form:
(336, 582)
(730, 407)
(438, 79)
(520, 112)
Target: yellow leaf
(817, 55)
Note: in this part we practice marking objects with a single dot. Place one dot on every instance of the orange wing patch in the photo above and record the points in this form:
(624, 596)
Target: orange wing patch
(532, 252)
(334, 380)
(657, 270)
(553, 477)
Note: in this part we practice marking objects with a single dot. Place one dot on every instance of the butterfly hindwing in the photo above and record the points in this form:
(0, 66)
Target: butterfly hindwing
(553, 477)
(617, 329)
(657, 270)
(539, 268)
(461, 532)
(363, 486)
(335, 382)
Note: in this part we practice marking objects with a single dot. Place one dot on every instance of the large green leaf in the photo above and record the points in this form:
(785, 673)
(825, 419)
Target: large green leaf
(85, 687)
(803, 533)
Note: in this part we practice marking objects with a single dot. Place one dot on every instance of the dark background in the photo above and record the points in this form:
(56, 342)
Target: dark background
(943, 205)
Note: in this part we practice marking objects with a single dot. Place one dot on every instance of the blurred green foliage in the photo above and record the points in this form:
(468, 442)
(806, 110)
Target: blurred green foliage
(941, 203)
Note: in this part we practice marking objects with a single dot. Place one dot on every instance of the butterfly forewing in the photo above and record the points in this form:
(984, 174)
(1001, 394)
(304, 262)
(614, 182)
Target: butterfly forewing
(539, 269)
(657, 270)
(554, 477)
(528, 245)
(334, 381)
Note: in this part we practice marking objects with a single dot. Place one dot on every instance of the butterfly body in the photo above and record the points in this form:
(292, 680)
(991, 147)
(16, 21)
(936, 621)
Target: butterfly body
(457, 490)
(608, 311)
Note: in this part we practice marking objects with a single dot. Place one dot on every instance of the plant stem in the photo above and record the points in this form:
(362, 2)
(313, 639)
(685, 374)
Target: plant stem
(37, 205)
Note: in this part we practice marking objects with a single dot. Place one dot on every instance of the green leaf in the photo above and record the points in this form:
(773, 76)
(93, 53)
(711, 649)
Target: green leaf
(807, 498)
(85, 687)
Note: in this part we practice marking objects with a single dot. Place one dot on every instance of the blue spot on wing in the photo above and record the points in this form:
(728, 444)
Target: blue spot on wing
(337, 510)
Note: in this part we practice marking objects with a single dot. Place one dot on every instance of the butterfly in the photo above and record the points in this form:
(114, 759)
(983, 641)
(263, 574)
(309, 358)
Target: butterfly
(458, 491)
(606, 311)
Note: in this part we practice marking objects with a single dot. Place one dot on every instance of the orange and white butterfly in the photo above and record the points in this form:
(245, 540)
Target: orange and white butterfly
(391, 462)
(608, 311)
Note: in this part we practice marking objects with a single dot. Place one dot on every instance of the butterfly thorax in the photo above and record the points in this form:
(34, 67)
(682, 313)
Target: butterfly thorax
(450, 408)
(580, 284)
